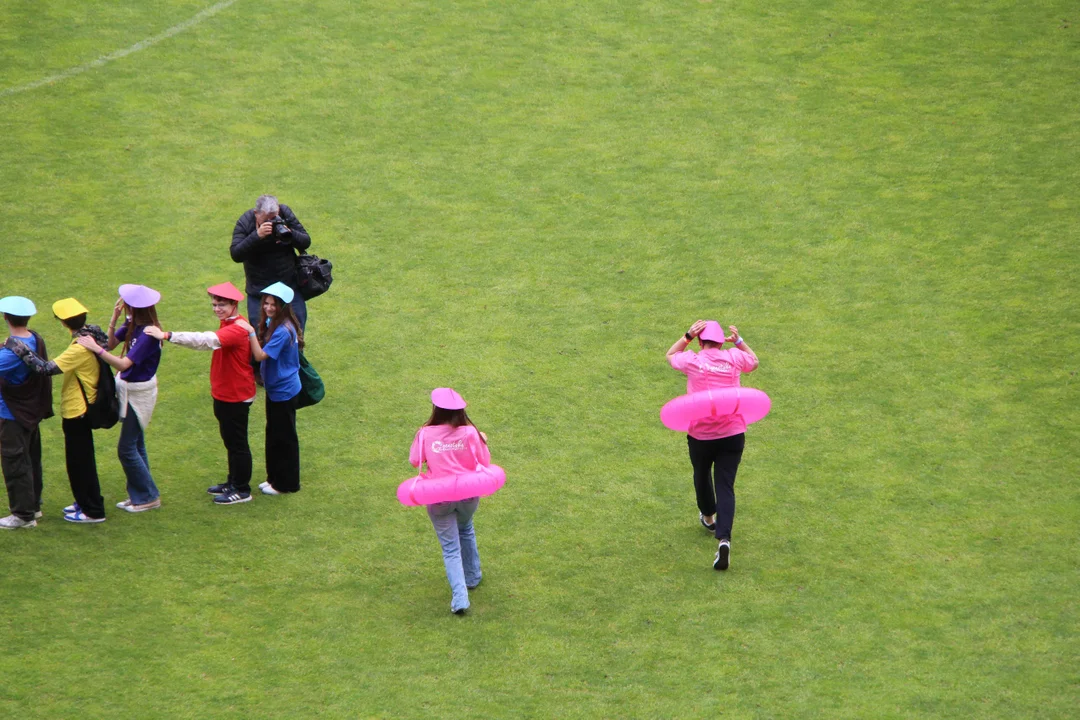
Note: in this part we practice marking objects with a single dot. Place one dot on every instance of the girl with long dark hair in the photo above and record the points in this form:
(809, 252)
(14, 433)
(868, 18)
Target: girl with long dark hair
(136, 388)
(450, 445)
(276, 346)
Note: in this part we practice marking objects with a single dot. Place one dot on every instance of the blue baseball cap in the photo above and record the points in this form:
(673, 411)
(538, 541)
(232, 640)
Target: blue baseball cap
(279, 290)
(16, 305)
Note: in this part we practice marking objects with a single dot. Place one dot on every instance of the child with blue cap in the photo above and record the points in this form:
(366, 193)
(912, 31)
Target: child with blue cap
(25, 400)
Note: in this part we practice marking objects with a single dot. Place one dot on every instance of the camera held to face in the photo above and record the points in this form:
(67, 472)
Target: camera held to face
(280, 228)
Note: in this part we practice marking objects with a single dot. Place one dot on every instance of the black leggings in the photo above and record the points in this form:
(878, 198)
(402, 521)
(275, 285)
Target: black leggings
(725, 454)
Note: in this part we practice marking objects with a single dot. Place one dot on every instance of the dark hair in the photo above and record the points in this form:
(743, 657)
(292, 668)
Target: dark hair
(74, 322)
(19, 321)
(139, 316)
(453, 418)
(285, 314)
(224, 299)
(706, 344)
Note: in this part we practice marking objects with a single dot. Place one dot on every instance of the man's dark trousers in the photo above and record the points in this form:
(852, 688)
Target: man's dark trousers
(715, 464)
(20, 460)
(82, 466)
(232, 420)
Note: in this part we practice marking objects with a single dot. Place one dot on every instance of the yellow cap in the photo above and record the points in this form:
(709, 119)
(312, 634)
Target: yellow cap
(68, 308)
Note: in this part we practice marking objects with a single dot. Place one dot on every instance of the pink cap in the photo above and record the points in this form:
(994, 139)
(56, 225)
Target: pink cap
(226, 290)
(712, 332)
(447, 399)
(139, 296)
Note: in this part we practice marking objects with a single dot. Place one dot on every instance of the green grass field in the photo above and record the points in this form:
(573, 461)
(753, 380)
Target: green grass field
(529, 202)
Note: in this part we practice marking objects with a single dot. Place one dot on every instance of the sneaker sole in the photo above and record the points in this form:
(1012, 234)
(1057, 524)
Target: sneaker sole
(133, 509)
(722, 556)
(87, 521)
(234, 502)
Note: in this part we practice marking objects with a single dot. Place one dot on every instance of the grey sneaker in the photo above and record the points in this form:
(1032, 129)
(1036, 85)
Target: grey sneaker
(13, 522)
(133, 508)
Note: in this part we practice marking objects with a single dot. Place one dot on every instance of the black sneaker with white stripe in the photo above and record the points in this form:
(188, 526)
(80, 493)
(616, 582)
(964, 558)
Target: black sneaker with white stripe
(222, 489)
(232, 497)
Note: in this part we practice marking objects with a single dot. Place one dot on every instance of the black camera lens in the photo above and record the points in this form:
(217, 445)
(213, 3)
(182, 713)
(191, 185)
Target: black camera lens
(280, 228)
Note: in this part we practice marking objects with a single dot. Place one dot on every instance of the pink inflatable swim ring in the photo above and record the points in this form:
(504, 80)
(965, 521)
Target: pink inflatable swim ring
(422, 490)
(680, 413)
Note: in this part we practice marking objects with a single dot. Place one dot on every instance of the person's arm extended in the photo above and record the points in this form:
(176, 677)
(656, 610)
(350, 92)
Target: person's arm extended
(120, 363)
(32, 361)
(195, 340)
(300, 238)
(682, 343)
(256, 349)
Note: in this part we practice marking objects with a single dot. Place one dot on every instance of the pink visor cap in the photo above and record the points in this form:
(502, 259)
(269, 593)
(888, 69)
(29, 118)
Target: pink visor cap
(139, 296)
(226, 290)
(447, 399)
(712, 332)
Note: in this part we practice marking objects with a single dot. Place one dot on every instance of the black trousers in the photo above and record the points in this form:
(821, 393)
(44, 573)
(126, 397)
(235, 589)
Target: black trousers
(282, 446)
(82, 466)
(20, 461)
(723, 454)
(232, 420)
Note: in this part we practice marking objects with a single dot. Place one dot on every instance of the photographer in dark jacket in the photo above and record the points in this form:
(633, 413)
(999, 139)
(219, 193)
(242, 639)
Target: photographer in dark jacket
(266, 239)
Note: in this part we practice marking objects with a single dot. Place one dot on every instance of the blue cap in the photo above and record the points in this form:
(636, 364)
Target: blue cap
(16, 305)
(279, 290)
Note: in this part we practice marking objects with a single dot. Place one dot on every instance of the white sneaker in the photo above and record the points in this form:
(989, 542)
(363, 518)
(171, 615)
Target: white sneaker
(264, 484)
(13, 522)
(133, 508)
(268, 489)
(123, 504)
(38, 514)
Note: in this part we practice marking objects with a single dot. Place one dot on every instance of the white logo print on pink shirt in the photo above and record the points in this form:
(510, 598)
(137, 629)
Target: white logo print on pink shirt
(440, 447)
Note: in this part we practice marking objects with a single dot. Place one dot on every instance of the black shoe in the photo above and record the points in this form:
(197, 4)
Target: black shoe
(222, 489)
(723, 552)
(707, 526)
(232, 497)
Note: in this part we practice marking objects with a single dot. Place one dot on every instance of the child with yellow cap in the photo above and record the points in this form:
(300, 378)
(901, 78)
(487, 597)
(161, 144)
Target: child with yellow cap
(82, 374)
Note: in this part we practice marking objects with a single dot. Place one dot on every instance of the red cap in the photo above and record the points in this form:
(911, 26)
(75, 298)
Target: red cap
(226, 290)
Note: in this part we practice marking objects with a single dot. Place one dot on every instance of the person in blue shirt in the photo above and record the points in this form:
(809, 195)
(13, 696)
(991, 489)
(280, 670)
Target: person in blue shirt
(277, 348)
(25, 401)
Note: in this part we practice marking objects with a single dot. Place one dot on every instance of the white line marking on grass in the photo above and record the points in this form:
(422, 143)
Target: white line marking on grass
(141, 45)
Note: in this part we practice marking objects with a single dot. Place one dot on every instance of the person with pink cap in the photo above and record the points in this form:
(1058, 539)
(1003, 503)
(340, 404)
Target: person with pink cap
(232, 386)
(716, 441)
(450, 444)
(136, 388)
(277, 348)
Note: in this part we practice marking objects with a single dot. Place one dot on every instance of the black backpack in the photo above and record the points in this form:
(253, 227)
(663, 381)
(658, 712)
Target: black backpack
(313, 275)
(105, 411)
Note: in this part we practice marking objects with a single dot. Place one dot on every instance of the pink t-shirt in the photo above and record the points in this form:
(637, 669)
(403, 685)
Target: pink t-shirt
(449, 450)
(708, 370)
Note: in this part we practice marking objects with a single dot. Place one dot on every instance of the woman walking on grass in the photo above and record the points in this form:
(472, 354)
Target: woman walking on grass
(276, 346)
(715, 441)
(450, 445)
(136, 388)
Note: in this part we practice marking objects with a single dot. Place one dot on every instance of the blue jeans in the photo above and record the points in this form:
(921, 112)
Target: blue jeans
(453, 524)
(298, 305)
(132, 453)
